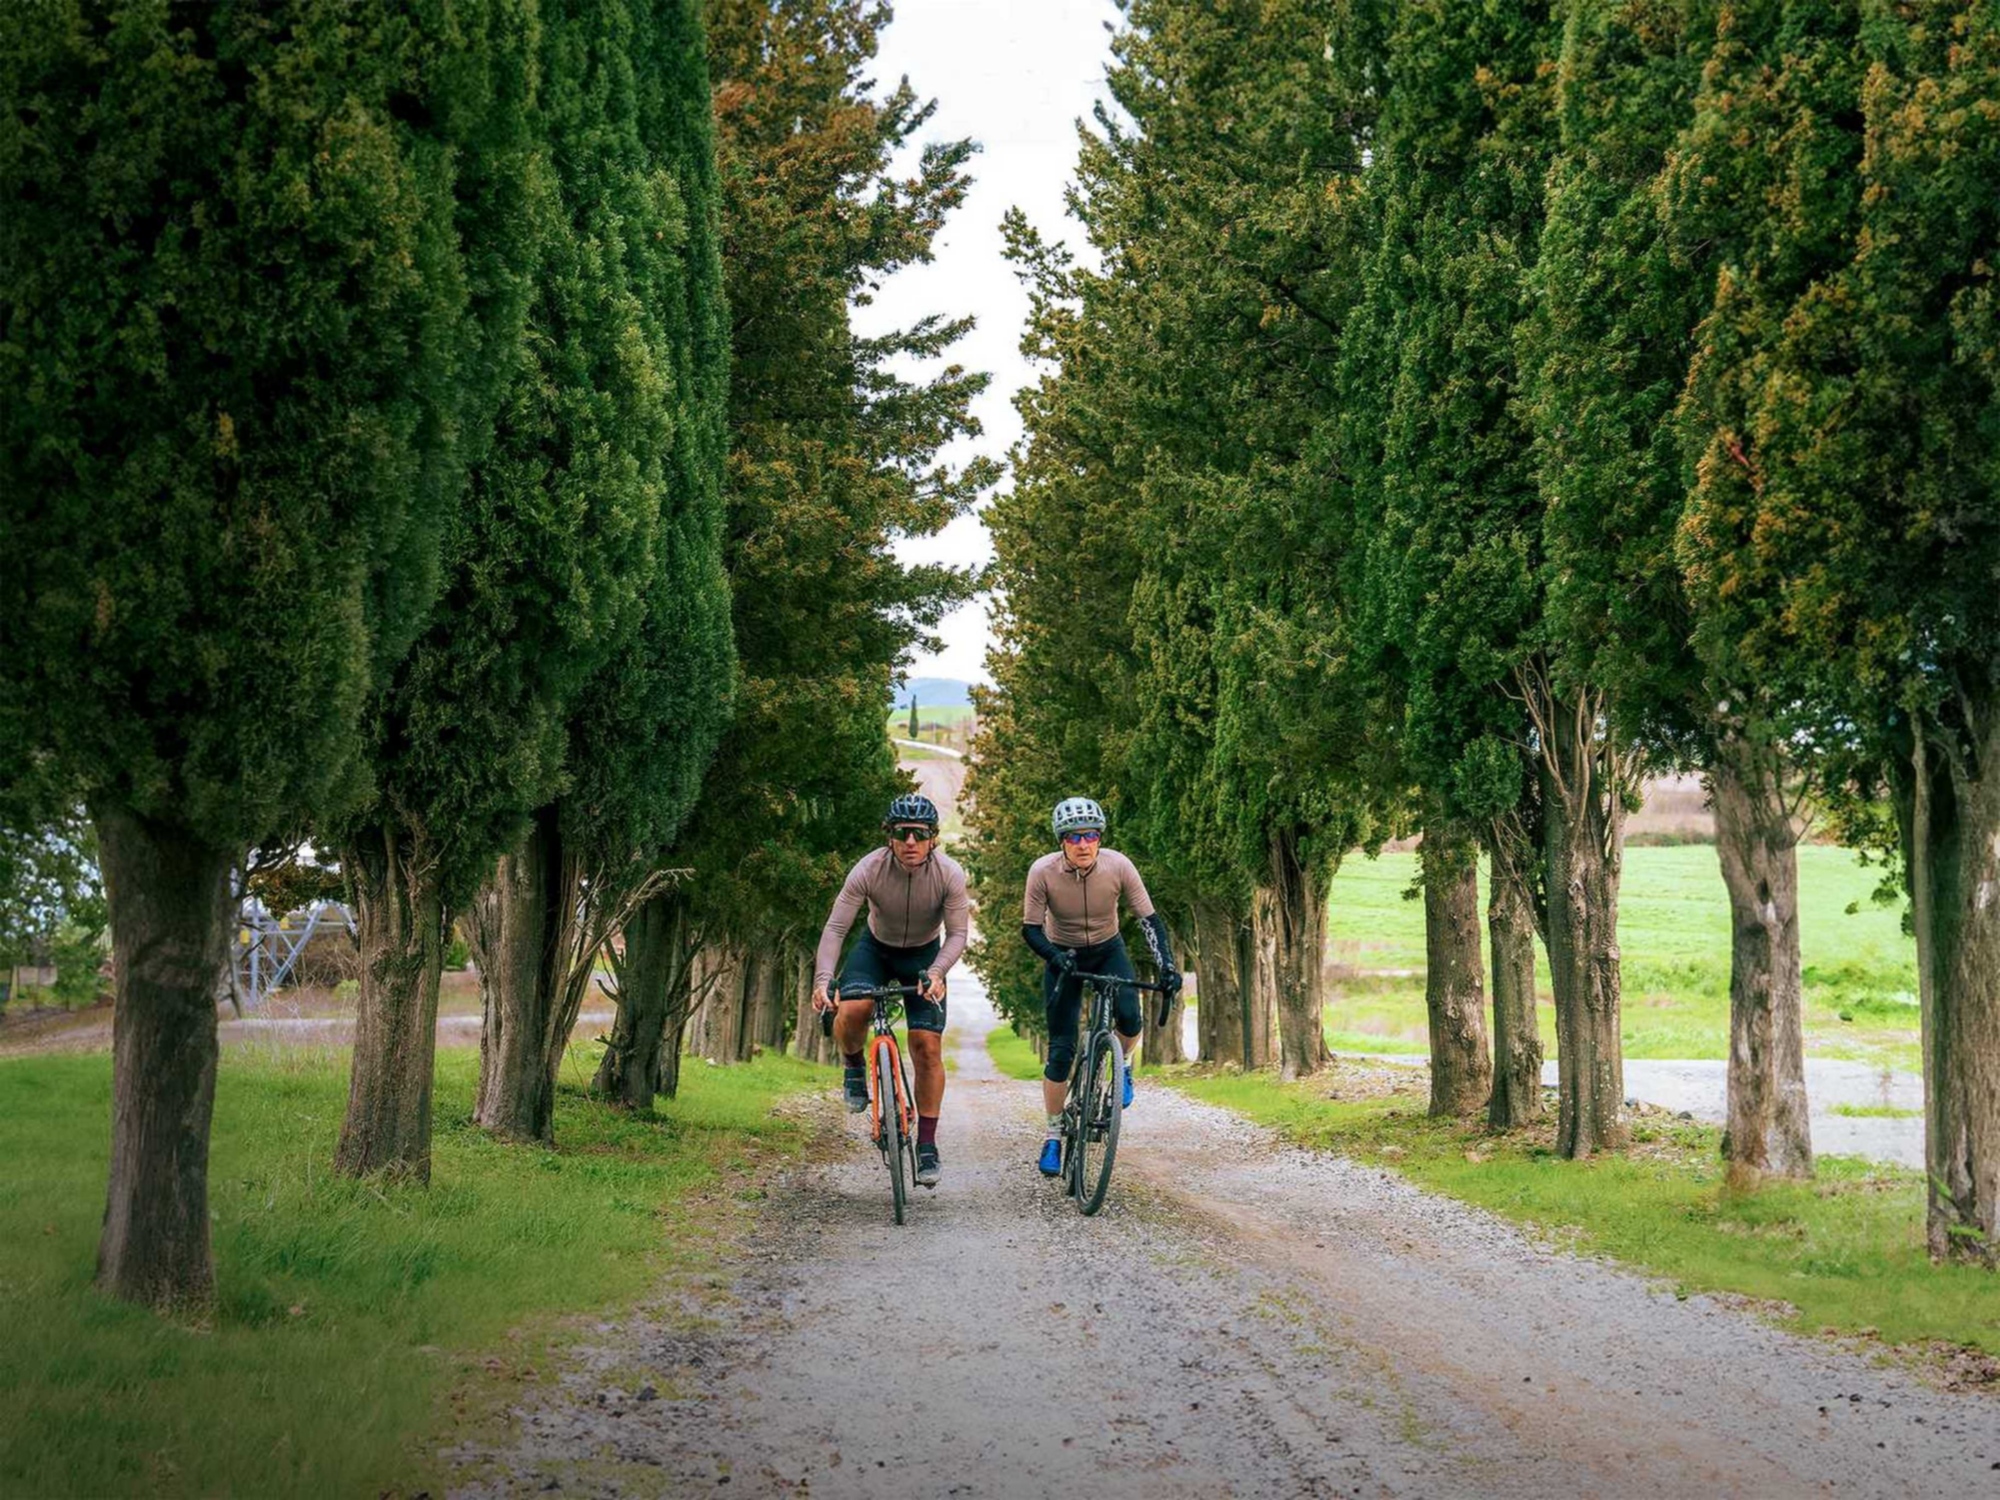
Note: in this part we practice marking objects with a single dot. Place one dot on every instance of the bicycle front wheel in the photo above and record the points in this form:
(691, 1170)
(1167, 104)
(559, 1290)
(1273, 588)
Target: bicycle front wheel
(1102, 1106)
(889, 1106)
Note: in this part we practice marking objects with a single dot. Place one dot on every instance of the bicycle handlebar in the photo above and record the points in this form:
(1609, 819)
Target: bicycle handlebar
(873, 992)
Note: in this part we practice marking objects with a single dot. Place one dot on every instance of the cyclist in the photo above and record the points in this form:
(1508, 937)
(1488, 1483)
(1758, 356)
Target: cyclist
(911, 891)
(1069, 916)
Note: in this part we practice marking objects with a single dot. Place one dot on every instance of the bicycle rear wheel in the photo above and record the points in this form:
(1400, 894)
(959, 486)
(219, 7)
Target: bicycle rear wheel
(890, 1110)
(1103, 1106)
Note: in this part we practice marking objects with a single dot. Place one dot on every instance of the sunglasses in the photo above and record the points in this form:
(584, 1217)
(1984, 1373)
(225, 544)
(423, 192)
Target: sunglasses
(911, 835)
(1083, 836)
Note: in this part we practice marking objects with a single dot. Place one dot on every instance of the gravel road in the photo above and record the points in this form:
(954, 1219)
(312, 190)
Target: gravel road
(1243, 1319)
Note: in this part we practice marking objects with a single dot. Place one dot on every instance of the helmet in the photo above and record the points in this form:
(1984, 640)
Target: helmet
(1073, 813)
(911, 807)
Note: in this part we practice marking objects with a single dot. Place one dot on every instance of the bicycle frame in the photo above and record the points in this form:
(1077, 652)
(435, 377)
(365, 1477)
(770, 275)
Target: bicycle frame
(1084, 1130)
(885, 1057)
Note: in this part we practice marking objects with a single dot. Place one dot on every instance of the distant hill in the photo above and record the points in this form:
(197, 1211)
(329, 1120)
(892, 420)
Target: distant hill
(934, 692)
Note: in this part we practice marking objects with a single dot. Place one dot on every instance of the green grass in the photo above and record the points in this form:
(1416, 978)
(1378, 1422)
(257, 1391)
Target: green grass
(1844, 1253)
(1013, 1055)
(351, 1317)
(1877, 1112)
(1673, 931)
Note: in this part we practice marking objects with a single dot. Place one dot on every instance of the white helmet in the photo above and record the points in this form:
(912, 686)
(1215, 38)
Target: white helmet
(1073, 813)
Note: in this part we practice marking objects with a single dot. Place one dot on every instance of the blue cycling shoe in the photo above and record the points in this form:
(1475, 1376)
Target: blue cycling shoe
(1051, 1162)
(1128, 1088)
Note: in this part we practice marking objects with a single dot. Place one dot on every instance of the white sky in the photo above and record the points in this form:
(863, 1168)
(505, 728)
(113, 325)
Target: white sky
(1015, 76)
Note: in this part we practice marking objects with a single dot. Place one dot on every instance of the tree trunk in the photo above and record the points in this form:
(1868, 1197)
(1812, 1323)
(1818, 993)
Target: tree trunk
(1517, 1037)
(170, 924)
(1218, 985)
(1257, 982)
(719, 975)
(629, 1072)
(1950, 813)
(1298, 912)
(766, 1031)
(1583, 820)
(1756, 838)
(514, 930)
(1454, 984)
(807, 1040)
(400, 921)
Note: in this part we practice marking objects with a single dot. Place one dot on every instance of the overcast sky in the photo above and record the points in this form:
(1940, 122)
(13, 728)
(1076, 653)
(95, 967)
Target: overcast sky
(1015, 76)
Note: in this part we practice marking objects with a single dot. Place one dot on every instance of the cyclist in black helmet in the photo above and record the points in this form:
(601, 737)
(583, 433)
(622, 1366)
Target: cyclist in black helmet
(916, 930)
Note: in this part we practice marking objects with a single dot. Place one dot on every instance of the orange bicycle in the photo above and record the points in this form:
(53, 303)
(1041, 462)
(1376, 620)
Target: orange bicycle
(892, 1108)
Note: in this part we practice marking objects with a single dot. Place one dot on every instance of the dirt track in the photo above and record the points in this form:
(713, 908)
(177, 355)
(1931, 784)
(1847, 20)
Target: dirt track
(1243, 1319)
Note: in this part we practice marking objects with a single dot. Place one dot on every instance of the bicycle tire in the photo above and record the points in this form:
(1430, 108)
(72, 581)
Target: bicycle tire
(890, 1109)
(1103, 1107)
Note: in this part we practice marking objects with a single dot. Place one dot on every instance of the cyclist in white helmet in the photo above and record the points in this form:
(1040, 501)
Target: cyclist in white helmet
(1070, 917)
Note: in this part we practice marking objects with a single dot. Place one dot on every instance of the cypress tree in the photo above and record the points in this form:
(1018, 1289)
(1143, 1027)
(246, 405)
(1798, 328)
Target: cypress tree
(641, 730)
(239, 329)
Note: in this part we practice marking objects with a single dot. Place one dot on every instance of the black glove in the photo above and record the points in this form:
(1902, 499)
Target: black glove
(1170, 989)
(1064, 961)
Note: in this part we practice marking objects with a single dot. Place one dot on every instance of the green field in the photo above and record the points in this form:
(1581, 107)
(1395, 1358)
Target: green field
(357, 1325)
(1674, 935)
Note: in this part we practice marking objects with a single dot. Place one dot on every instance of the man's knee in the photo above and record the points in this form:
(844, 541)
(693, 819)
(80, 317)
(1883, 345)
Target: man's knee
(926, 1046)
(1062, 1055)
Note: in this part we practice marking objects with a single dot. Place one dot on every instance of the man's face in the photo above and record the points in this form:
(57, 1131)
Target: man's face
(1081, 847)
(913, 843)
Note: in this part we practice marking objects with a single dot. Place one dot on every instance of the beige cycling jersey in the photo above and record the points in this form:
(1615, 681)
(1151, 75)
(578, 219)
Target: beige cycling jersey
(1077, 908)
(905, 909)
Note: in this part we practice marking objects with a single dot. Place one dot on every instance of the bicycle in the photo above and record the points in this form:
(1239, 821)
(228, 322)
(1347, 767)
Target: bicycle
(1096, 1101)
(894, 1130)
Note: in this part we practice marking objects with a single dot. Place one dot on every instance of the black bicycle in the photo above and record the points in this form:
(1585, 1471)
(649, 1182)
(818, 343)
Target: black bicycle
(1096, 1101)
(892, 1106)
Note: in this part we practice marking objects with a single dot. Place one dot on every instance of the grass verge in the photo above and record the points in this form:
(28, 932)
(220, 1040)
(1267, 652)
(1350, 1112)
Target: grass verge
(1842, 1254)
(355, 1322)
(1013, 1055)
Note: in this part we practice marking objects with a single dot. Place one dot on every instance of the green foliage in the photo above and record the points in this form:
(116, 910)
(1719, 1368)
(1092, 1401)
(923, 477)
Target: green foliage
(52, 904)
(1013, 1054)
(350, 1312)
(1844, 1253)
(833, 452)
(240, 366)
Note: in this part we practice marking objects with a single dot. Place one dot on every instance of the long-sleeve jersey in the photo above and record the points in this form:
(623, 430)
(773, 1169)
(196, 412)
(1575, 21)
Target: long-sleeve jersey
(1077, 908)
(905, 908)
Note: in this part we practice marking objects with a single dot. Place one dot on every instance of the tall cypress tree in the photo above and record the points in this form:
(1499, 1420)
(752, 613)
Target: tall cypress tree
(637, 736)
(239, 362)
(832, 454)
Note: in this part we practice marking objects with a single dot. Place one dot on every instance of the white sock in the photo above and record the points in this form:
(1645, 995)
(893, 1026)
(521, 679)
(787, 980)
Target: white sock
(1055, 1126)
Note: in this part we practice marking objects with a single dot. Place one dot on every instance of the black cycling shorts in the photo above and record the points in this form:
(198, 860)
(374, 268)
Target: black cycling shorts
(1062, 994)
(871, 964)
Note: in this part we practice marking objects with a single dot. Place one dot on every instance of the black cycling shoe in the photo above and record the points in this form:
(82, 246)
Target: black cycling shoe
(927, 1166)
(855, 1083)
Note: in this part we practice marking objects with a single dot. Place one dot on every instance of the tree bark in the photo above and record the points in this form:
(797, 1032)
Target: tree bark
(1257, 982)
(628, 1074)
(1297, 910)
(1949, 807)
(1219, 992)
(719, 971)
(766, 1032)
(1454, 981)
(1517, 1037)
(402, 926)
(1584, 821)
(1769, 1130)
(514, 932)
(807, 1039)
(170, 923)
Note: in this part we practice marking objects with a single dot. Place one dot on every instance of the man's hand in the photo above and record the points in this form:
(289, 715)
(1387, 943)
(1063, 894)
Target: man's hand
(930, 985)
(822, 1001)
(1065, 960)
(1170, 989)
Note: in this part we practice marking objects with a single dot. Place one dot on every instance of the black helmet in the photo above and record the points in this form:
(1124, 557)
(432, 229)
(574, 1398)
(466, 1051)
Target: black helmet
(911, 807)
